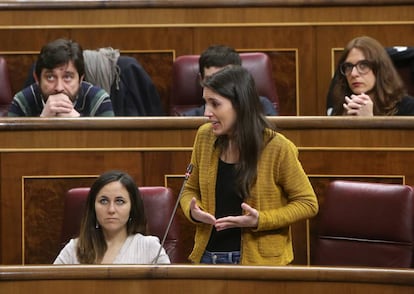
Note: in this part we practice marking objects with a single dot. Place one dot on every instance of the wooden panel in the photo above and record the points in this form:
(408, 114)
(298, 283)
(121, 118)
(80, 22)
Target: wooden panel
(173, 16)
(40, 159)
(21, 170)
(13, 4)
(312, 32)
(203, 279)
(43, 206)
(289, 70)
(301, 41)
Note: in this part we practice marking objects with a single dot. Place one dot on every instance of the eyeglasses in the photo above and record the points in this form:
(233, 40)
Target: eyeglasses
(362, 66)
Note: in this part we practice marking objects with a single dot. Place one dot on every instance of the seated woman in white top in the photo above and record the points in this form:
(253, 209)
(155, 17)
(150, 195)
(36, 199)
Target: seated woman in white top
(113, 227)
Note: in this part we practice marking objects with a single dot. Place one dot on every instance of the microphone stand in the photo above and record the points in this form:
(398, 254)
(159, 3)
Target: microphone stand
(187, 175)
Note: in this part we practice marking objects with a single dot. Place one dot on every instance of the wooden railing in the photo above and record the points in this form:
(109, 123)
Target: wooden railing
(203, 279)
(303, 38)
(40, 159)
(30, 4)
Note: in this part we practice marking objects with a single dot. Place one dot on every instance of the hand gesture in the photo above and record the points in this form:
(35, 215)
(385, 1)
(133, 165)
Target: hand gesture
(199, 215)
(59, 105)
(360, 105)
(249, 219)
(73, 113)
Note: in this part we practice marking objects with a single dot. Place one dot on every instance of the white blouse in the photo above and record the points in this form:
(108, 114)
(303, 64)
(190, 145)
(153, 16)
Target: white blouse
(137, 249)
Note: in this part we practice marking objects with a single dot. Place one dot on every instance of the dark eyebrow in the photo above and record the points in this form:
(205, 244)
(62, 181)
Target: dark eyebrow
(70, 73)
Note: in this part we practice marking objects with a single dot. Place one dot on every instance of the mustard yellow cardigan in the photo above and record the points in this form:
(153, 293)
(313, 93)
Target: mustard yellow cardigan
(282, 195)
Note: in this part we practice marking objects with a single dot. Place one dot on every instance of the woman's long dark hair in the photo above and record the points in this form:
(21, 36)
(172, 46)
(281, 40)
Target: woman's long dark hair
(91, 243)
(389, 88)
(236, 84)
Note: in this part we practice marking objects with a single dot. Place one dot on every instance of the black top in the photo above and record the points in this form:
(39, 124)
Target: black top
(406, 106)
(228, 203)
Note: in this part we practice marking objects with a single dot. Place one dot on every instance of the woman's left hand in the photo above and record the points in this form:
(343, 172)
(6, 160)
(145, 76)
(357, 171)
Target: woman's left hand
(360, 105)
(249, 219)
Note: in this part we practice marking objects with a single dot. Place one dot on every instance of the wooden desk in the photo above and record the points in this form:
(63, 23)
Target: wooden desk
(303, 38)
(40, 159)
(203, 280)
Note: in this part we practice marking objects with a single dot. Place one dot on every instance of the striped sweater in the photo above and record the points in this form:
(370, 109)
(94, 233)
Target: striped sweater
(91, 101)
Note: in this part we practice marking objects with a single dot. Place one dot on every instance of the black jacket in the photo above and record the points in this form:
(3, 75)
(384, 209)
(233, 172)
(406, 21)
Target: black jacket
(136, 94)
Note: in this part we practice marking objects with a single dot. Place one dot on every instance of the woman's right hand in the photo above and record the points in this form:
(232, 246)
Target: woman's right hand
(360, 105)
(199, 215)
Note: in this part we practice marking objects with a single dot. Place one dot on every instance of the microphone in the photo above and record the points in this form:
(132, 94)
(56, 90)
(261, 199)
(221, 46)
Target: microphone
(187, 175)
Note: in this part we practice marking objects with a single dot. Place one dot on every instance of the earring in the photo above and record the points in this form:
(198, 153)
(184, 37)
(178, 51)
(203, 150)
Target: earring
(130, 219)
(97, 225)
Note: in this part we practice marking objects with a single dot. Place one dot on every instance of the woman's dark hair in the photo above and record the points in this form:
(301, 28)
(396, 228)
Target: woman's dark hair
(389, 88)
(236, 84)
(60, 52)
(91, 243)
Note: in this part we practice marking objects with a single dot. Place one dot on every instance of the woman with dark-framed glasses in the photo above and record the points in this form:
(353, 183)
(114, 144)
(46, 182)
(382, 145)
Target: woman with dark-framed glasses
(367, 83)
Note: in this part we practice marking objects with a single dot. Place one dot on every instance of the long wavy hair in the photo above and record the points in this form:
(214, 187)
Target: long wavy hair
(91, 242)
(389, 88)
(236, 84)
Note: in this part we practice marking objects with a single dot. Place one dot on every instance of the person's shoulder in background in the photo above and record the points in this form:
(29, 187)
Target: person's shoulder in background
(196, 111)
(406, 106)
(268, 109)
